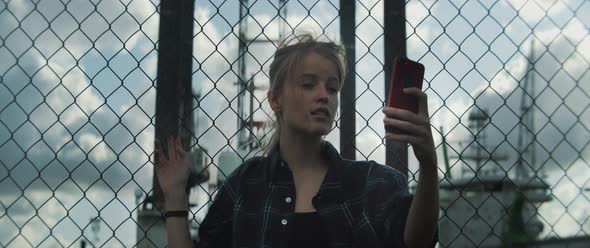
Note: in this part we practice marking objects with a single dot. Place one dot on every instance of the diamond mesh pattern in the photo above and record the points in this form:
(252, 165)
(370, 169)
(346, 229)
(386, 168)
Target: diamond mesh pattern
(77, 110)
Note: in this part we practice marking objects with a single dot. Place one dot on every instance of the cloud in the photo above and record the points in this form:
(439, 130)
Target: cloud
(456, 85)
(87, 133)
(216, 51)
(567, 213)
(554, 116)
(561, 131)
(74, 143)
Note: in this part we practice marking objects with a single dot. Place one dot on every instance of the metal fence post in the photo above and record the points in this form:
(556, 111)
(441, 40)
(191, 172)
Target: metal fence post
(174, 89)
(396, 153)
(347, 96)
(77, 110)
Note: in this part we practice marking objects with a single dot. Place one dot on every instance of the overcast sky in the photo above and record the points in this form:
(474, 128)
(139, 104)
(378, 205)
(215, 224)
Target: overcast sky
(77, 95)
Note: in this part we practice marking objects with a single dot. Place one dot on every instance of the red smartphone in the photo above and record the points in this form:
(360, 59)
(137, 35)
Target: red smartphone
(406, 74)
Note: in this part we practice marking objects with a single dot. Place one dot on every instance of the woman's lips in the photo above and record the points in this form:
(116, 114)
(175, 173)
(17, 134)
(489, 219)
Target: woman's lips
(320, 114)
(321, 111)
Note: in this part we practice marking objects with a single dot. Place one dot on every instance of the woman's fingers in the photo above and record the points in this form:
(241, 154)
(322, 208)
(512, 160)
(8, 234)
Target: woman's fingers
(157, 151)
(179, 149)
(422, 99)
(171, 149)
(412, 139)
(174, 152)
(404, 126)
(405, 115)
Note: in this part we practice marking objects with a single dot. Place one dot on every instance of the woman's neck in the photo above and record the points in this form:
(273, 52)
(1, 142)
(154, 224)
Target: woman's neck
(301, 152)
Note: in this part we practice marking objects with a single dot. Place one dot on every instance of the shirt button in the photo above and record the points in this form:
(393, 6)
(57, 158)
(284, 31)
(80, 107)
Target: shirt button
(288, 199)
(284, 222)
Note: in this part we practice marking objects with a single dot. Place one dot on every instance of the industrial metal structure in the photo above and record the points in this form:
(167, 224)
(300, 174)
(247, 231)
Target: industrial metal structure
(86, 86)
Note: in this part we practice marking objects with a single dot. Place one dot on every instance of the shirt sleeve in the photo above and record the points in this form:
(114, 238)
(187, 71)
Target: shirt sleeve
(216, 228)
(396, 222)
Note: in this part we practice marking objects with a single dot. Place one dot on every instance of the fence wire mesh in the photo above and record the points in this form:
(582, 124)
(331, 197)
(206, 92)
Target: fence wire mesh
(509, 98)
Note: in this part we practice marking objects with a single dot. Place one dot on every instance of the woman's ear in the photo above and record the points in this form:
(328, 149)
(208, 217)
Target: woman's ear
(274, 102)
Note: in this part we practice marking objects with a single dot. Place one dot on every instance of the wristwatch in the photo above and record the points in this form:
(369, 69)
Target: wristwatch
(177, 213)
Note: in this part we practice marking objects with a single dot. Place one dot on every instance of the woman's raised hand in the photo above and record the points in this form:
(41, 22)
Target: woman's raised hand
(172, 169)
(412, 128)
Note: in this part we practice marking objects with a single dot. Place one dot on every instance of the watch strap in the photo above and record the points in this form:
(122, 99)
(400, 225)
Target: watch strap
(177, 213)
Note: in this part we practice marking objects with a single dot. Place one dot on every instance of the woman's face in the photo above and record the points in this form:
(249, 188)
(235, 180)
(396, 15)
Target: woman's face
(309, 99)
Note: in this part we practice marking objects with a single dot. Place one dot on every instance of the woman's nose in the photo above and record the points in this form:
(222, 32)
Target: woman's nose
(323, 93)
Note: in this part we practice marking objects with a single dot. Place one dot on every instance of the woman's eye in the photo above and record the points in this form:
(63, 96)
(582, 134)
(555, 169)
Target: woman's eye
(308, 85)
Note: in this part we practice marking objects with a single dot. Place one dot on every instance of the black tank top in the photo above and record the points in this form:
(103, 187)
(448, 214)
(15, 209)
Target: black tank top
(308, 231)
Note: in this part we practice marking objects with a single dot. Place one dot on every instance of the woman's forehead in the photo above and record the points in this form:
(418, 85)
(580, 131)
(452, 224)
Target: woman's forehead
(316, 65)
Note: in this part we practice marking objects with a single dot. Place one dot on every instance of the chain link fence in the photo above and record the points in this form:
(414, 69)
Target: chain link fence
(509, 98)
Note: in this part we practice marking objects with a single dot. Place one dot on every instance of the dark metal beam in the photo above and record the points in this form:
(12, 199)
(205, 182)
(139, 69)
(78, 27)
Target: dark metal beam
(396, 153)
(174, 85)
(348, 94)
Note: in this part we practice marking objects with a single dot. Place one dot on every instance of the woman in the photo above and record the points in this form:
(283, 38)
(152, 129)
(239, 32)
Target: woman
(302, 193)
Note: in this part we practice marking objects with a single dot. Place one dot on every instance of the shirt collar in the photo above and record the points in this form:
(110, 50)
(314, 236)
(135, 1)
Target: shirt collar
(328, 152)
(342, 180)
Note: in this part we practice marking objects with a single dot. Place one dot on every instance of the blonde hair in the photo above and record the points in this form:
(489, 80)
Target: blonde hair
(287, 59)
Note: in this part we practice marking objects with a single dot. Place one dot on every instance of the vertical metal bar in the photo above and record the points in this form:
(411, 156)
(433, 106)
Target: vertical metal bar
(174, 87)
(242, 48)
(348, 94)
(282, 19)
(251, 88)
(396, 153)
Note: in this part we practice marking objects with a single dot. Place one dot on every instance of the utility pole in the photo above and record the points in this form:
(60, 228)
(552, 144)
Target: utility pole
(245, 121)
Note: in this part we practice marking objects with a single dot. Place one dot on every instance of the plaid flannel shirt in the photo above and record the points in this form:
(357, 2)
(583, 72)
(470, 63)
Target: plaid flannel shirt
(362, 204)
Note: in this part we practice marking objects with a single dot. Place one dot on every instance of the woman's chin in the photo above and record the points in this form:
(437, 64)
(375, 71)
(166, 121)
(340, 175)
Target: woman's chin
(315, 131)
(321, 130)
(322, 133)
